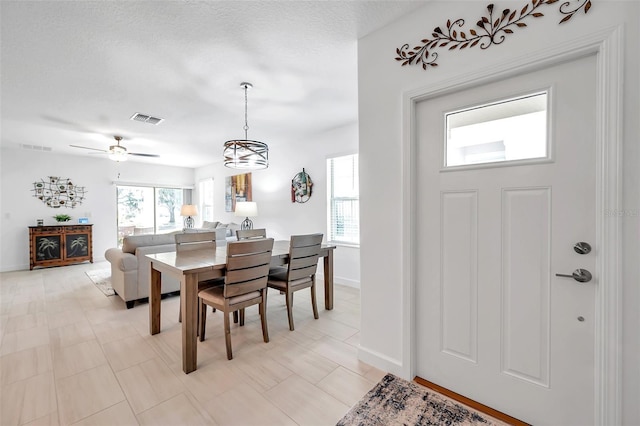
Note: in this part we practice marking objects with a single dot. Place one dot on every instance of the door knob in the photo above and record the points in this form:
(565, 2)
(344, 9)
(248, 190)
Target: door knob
(580, 275)
(582, 248)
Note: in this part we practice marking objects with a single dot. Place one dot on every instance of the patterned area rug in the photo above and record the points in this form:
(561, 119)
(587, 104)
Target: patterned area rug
(102, 279)
(395, 401)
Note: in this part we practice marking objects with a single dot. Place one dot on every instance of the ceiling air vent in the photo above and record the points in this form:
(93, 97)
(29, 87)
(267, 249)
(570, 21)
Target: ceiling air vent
(36, 147)
(146, 119)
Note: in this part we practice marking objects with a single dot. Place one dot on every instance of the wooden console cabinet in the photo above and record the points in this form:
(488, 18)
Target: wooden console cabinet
(59, 245)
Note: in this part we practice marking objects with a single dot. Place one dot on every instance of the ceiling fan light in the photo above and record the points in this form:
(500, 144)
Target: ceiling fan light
(117, 153)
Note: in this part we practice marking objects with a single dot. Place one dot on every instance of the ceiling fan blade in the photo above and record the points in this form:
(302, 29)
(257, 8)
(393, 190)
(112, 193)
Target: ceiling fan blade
(86, 147)
(143, 155)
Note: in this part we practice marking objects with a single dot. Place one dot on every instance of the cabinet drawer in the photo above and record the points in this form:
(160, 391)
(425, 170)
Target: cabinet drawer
(77, 228)
(46, 230)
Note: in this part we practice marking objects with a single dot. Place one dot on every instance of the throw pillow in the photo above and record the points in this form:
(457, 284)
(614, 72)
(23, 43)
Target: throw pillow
(232, 228)
(225, 226)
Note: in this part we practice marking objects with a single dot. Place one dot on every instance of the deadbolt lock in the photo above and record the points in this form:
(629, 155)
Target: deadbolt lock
(582, 248)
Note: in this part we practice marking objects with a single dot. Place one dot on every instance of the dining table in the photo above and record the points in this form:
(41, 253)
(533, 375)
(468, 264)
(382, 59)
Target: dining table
(194, 266)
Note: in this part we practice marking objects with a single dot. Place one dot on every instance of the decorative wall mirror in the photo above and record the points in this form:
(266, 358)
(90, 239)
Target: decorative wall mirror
(301, 185)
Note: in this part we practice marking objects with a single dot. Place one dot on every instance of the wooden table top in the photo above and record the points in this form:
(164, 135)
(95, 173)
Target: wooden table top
(207, 259)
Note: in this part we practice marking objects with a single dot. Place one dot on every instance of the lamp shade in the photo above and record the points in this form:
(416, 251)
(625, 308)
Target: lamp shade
(246, 209)
(189, 210)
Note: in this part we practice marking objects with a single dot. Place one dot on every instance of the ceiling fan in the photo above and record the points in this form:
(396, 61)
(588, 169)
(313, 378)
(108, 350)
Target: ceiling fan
(117, 152)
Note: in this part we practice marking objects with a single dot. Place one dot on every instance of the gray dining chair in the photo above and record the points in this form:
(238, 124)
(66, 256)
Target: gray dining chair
(250, 234)
(300, 273)
(195, 241)
(245, 284)
(186, 242)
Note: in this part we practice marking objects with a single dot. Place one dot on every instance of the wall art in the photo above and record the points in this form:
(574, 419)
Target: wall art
(237, 188)
(301, 186)
(489, 30)
(58, 192)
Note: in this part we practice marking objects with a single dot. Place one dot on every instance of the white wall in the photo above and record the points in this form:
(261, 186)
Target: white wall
(382, 83)
(271, 190)
(20, 209)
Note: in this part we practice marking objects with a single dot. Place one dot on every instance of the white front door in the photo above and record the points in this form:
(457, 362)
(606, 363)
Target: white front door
(493, 321)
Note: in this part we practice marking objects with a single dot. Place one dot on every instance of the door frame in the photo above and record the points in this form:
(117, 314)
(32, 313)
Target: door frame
(607, 46)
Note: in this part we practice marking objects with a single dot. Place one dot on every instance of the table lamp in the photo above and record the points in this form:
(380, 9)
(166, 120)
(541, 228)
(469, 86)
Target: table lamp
(188, 211)
(246, 209)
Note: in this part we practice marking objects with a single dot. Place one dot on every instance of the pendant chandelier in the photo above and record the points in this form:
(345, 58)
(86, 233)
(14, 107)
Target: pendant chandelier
(245, 153)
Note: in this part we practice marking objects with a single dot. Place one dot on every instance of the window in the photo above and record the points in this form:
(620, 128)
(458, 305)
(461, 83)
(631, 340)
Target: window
(167, 206)
(343, 199)
(205, 191)
(508, 130)
(148, 210)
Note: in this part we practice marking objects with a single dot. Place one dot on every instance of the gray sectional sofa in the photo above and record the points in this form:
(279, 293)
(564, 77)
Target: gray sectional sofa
(131, 269)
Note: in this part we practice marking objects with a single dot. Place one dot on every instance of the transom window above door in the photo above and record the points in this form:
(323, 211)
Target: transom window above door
(502, 131)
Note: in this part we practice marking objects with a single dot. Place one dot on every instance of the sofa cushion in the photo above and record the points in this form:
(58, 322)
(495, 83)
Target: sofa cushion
(132, 242)
(210, 225)
(231, 228)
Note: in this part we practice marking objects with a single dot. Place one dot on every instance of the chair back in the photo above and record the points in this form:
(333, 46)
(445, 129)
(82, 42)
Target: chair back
(195, 241)
(250, 234)
(247, 266)
(303, 255)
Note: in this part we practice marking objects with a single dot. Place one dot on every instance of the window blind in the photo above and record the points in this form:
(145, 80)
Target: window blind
(344, 199)
(205, 188)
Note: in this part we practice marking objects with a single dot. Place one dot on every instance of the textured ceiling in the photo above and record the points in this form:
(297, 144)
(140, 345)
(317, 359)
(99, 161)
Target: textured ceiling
(74, 72)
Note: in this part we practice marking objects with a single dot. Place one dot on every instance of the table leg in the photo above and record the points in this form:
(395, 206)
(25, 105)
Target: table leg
(189, 305)
(154, 301)
(328, 281)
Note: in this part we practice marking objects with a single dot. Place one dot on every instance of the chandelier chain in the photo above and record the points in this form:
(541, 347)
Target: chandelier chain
(246, 125)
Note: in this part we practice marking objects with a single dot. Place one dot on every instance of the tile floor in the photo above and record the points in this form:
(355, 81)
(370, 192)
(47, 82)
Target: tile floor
(72, 356)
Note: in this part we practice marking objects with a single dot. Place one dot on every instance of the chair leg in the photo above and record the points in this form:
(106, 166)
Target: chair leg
(241, 317)
(179, 310)
(290, 308)
(314, 304)
(227, 335)
(202, 318)
(263, 316)
(235, 317)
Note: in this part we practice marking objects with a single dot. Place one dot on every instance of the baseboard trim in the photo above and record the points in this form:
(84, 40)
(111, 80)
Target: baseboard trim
(25, 266)
(380, 361)
(471, 403)
(338, 280)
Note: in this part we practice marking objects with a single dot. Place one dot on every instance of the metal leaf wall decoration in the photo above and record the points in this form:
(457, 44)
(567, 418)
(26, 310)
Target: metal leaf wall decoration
(57, 192)
(489, 30)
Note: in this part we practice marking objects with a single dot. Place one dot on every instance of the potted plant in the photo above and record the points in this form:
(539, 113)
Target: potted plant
(62, 218)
